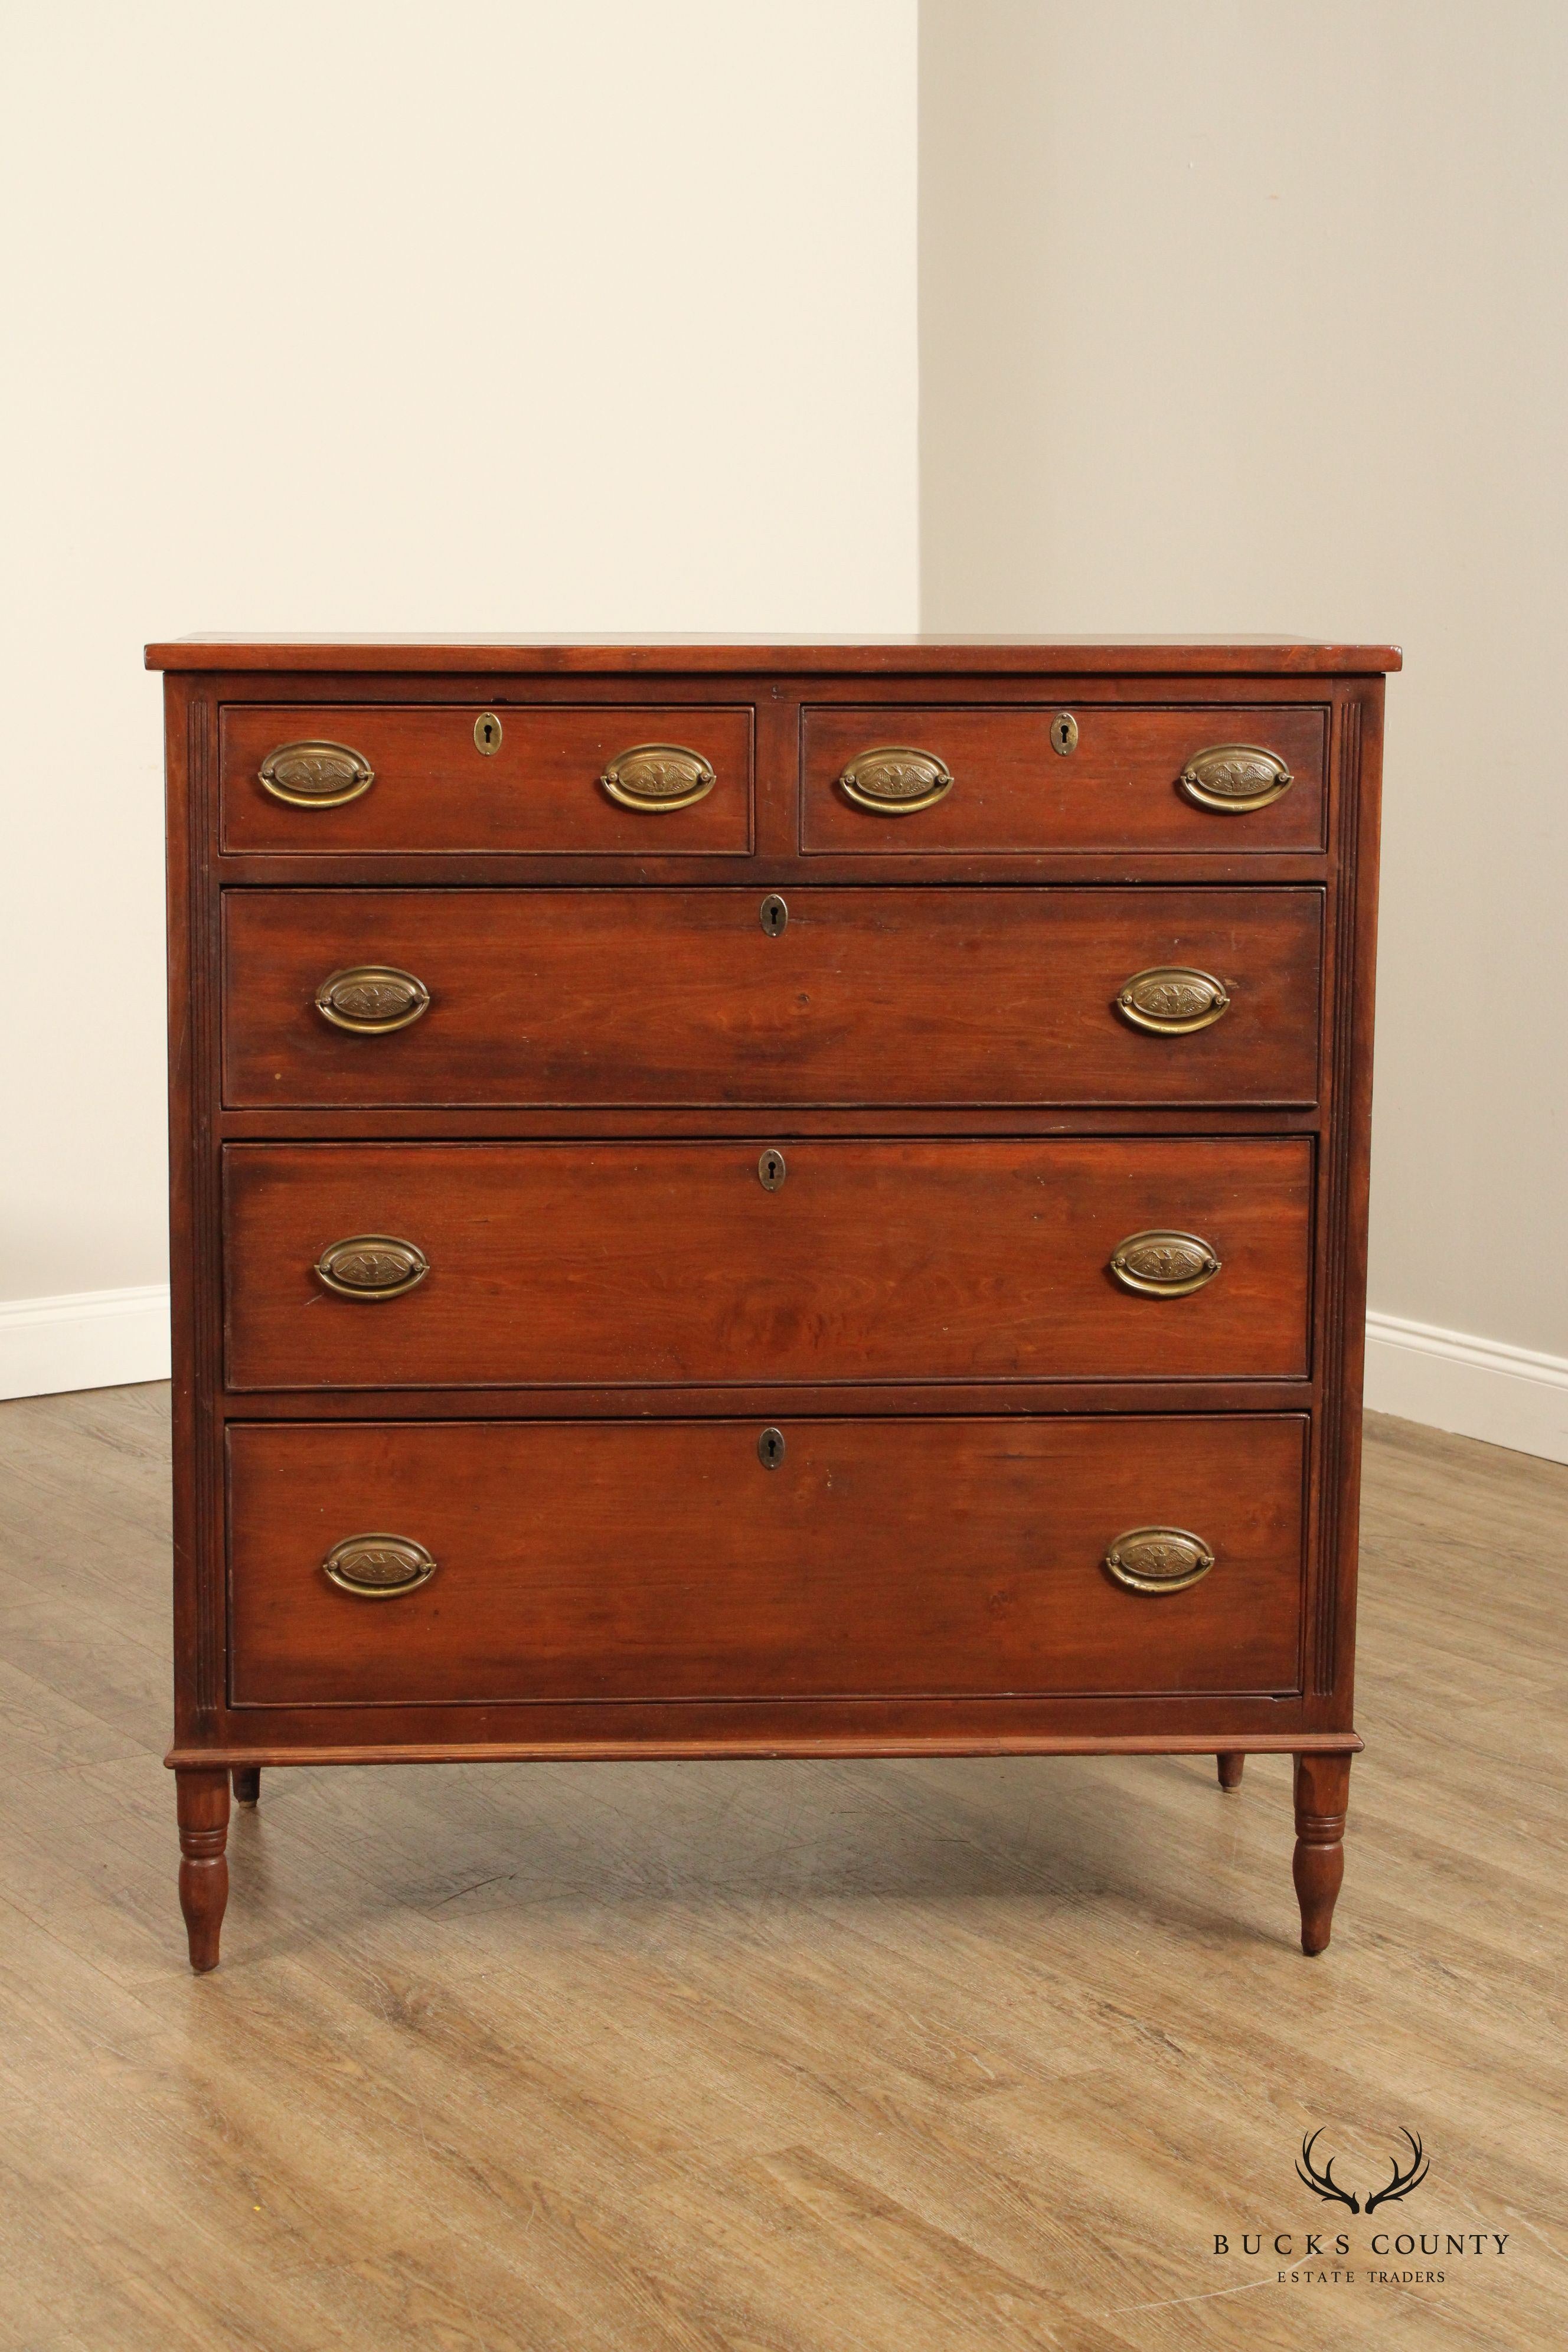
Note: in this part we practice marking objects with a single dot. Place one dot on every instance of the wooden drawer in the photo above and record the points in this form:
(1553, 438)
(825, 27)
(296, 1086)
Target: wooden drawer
(1120, 788)
(681, 997)
(540, 790)
(663, 1560)
(639, 1264)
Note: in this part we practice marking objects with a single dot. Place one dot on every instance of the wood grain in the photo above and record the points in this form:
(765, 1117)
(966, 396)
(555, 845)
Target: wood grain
(435, 789)
(1012, 791)
(849, 657)
(668, 1263)
(610, 1005)
(922, 2057)
(201, 1802)
(594, 1561)
(677, 996)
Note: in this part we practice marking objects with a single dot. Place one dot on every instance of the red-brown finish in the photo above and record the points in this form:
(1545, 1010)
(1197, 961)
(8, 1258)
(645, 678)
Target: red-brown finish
(675, 656)
(247, 1781)
(934, 1034)
(590, 998)
(1322, 1792)
(1230, 1764)
(202, 1808)
(662, 1560)
(435, 789)
(704, 1733)
(1012, 791)
(666, 1264)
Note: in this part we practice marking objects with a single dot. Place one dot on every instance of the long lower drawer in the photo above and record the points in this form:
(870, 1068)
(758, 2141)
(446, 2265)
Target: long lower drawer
(659, 1263)
(484, 1561)
(705, 997)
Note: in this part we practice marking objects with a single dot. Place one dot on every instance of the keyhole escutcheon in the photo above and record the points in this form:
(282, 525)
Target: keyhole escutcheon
(487, 731)
(771, 1448)
(1064, 733)
(773, 915)
(770, 1169)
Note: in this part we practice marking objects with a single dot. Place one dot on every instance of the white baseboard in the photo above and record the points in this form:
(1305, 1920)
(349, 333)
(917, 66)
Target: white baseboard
(1479, 1388)
(87, 1339)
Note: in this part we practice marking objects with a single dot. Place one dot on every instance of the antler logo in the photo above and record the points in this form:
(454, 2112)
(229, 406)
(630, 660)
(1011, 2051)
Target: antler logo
(1323, 2184)
(1402, 2183)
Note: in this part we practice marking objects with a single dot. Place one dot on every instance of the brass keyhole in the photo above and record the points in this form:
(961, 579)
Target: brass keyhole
(487, 731)
(773, 914)
(1064, 733)
(770, 1169)
(771, 1448)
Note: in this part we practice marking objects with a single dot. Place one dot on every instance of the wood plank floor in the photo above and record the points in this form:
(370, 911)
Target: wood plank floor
(778, 2057)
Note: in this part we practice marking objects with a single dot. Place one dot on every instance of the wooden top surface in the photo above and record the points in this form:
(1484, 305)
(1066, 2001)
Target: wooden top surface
(676, 656)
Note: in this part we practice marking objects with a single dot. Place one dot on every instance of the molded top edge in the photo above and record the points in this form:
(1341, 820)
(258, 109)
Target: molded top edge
(676, 656)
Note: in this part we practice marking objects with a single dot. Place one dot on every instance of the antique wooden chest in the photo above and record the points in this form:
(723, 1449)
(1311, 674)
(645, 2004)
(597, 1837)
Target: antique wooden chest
(763, 1200)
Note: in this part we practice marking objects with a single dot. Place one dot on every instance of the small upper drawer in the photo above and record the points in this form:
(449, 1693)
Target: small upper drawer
(907, 780)
(612, 780)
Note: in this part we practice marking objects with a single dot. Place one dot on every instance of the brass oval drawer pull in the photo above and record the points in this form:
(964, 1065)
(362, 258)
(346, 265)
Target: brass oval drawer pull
(895, 781)
(1235, 777)
(315, 775)
(372, 999)
(369, 1266)
(1160, 1264)
(1171, 1000)
(1158, 1559)
(658, 776)
(378, 1567)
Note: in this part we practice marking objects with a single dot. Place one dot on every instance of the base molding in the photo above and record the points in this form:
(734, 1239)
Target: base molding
(1507, 1396)
(225, 1753)
(84, 1339)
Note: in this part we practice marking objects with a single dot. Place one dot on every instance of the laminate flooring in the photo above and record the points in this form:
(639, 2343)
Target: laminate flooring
(778, 2057)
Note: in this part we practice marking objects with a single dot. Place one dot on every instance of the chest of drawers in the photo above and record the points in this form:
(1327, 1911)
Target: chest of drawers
(767, 1200)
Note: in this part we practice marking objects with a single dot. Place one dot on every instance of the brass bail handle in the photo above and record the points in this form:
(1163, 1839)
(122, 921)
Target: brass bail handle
(1161, 1263)
(659, 777)
(895, 780)
(315, 775)
(371, 1266)
(1235, 777)
(372, 999)
(1171, 1000)
(378, 1567)
(1158, 1559)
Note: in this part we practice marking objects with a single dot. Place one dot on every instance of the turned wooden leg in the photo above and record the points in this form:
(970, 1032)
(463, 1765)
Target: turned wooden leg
(247, 1783)
(1322, 1790)
(1230, 1761)
(201, 1799)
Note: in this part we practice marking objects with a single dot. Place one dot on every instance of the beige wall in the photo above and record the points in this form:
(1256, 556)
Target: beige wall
(1249, 314)
(364, 315)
